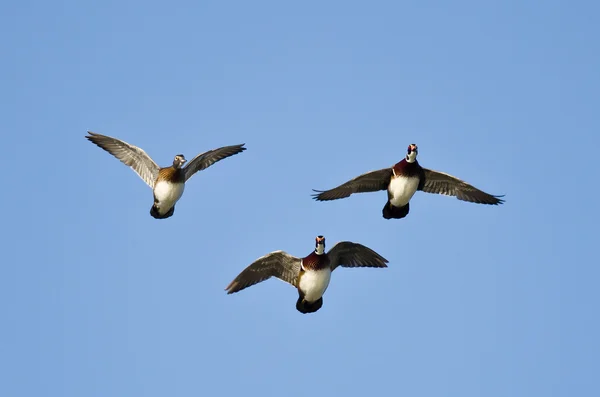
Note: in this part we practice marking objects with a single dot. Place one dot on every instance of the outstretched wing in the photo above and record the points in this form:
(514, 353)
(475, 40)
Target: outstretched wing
(372, 181)
(349, 254)
(442, 183)
(278, 264)
(130, 155)
(206, 159)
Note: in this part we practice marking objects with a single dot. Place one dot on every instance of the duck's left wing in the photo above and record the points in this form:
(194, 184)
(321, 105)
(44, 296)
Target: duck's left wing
(446, 184)
(349, 254)
(206, 159)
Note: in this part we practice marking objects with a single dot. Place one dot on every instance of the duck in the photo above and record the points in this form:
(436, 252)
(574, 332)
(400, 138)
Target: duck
(402, 181)
(167, 183)
(311, 274)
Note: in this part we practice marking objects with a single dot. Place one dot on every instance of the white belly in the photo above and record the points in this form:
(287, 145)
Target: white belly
(314, 283)
(402, 189)
(167, 194)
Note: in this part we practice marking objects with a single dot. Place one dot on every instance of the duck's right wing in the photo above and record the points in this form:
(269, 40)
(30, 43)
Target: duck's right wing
(372, 181)
(130, 155)
(278, 264)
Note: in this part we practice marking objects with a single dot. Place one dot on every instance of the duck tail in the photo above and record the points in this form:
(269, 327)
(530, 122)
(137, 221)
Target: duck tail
(391, 212)
(308, 307)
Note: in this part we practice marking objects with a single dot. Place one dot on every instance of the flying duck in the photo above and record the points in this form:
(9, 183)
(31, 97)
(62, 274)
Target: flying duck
(167, 183)
(402, 181)
(311, 274)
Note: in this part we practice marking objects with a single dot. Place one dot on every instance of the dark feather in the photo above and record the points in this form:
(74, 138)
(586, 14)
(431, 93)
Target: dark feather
(278, 264)
(315, 262)
(442, 183)
(372, 181)
(349, 254)
(206, 159)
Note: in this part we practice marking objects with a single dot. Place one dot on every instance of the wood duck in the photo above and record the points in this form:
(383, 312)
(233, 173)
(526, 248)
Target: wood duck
(311, 274)
(402, 181)
(167, 183)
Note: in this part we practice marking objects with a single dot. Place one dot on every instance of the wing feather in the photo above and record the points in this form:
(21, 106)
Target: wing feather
(130, 155)
(349, 254)
(372, 181)
(278, 264)
(441, 183)
(206, 159)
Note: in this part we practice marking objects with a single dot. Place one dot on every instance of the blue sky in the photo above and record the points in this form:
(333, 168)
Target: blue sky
(97, 298)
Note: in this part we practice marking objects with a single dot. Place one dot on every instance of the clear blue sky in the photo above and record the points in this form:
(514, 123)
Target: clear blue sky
(97, 298)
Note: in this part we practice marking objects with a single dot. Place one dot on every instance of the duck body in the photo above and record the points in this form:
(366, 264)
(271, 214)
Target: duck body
(313, 284)
(313, 280)
(404, 182)
(401, 190)
(167, 192)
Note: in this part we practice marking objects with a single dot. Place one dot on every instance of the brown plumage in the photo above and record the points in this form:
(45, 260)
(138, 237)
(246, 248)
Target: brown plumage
(171, 174)
(313, 261)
